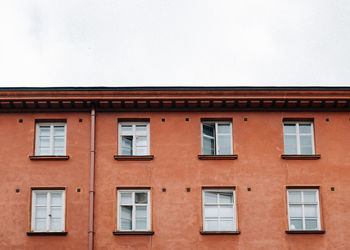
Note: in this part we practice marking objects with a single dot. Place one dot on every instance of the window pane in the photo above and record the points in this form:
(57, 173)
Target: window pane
(44, 130)
(59, 130)
(127, 129)
(126, 212)
(224, 145)
(58, 142)
(125, 198)
(141, 212)
(210, 197)
(294, 196)
(141, 141)
(211, 211)
(40, 225)
(305, 140)
(208, 146)
(141, 224)
(40, 212)
(141, 129)
(211, 225)
(296, 224)
(295, 211)
(226, 197)
(56, 199)
(56, 225)
(310, 210)
(59, 151)
(309, 196)
(289, 128)
(226, 211)
(306, 150)
(56, 212)
(305, 128)
(41, 199)
(224, 128)
(44, 142)
(209, 129)
(141, 198)
(226, 225)
(290, 144)
(125, 224)
(44, 151)
(126, 145)
(141, 151)
(311, 224)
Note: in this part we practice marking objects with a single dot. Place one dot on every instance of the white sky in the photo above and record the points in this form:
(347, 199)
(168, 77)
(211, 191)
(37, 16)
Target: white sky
(174, 42)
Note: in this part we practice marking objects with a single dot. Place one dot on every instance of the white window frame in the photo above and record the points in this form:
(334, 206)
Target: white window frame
(297, 134)
(302, 203)
(133, 227)
(226, 190)
(52, 125)
(216, 135)
(133, 134)
(48, 206)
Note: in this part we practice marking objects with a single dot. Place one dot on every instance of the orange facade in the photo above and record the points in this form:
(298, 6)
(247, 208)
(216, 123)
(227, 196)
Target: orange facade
(173, 170)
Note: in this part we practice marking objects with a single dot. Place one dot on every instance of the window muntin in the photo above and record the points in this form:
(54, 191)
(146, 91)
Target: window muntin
(303, 209)
(50, 139)
(134, 138)
(298, 138)
(219, 210)
(134, 210)
(217, 138)
(48, 211)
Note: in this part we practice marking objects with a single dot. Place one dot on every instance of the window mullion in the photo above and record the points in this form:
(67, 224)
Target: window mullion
(298, 138)
(48, 211)
(303, 210)
(216, 139)
(133, 213)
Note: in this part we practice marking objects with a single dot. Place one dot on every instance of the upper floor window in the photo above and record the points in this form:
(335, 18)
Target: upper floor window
(50, 139)
(303, 209)
(217, 138)
(134, 138)
(298, 138)
(48, 210)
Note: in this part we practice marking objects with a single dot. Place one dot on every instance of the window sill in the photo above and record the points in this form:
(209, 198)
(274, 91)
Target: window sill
(305, 231)
(217, 157)
(49, 157)
(219, 232)
(133, 232)
(133, 157)
(47, 233)
(301, 157)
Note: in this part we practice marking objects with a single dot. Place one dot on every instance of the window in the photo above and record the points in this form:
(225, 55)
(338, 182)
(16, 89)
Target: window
(303, 209)
(298, 138)
(134, 138)
(217, 138)
(50, 139)
(48, 210)
(133, 210)
(219, 210)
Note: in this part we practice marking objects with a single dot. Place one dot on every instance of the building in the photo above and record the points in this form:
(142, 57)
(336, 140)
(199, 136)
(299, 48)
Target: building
(175, 168)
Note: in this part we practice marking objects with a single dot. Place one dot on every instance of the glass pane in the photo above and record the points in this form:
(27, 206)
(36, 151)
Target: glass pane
(41, 199)
(210, 197)
(141, 151)
(305, 140)
(44, 142)
(141, 141)
(56, 199)
(59, 130)
(44, 151)
(44, 130)
(141, 198)
(211, 211)
(208, 146)
(226, 197)
(224, 144)
(305, 128)
(141, 224)
(40, 224)
(127, 129)
(310, 210)
(295, 211)
(141, 129)
(40, 212)
(289, 128)
(224, 128)
(296, 224)
(125, 224)
(125, 198)
(141, 212)
(56, 212)
(58, 142)
(306, 150)
(126, 212)
(226, 225)
(59, 151)
(226, 211)
(209, 129)
(311, 224)
(309, 196)
(211, 225)
(126, 145)
(294, 196)
(56, 225)
(290, 144)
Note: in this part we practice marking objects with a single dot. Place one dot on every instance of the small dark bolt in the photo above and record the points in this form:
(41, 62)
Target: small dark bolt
(188, 189)
(249, 189)
(78, 190)
(17, 190)
(163, 119)
(80, 120)
(20, 120)
(327, 119)
(163, 189)
(187, 119)
(245, 119)
(332, 189)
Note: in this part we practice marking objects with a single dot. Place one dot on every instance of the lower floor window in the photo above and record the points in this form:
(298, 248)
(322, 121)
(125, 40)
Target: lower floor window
(219, 210)
(48, 210)
(133, 210)
(303, 209)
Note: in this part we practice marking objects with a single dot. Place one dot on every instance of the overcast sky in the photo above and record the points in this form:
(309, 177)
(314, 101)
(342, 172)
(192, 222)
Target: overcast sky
(174, 42)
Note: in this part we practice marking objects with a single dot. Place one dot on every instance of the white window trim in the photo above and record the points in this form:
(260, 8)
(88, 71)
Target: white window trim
(297, 134)
(133, 227)
(216, 135)
(234, 206)
(37, 137)
(49, 191)
(133, 124)
(303, 213)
